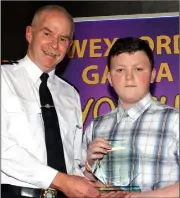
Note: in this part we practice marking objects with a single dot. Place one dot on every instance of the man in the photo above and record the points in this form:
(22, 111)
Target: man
(25, 172)
(149, 128)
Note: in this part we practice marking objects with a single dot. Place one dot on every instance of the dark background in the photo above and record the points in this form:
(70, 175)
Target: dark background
(16, 15)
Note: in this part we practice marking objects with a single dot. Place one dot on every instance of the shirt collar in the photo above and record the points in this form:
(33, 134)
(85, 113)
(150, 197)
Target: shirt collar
(34, 72)
(136, 110)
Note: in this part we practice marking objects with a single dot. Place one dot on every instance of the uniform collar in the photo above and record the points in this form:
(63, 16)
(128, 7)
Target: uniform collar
(34, 72)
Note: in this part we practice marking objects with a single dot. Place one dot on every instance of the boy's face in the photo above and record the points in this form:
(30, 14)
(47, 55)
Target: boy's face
(130, 76)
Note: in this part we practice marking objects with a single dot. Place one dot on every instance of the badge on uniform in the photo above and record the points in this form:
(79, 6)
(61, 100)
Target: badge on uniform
(49, 193)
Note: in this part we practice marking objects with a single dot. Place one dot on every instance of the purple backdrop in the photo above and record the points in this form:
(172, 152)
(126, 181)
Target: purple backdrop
(92, 40)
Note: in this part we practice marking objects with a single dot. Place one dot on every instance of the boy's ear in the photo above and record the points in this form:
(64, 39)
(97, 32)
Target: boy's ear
(153, 75)
(109, 78)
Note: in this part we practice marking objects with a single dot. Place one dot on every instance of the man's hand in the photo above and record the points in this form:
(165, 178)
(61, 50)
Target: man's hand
(97, 149)
(75, 186)
(111, 194)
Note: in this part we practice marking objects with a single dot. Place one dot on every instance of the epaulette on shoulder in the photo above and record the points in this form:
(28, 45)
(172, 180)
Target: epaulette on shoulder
(8, 62)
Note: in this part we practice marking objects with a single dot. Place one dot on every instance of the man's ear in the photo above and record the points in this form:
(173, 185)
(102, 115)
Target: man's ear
(29, 34)
(153, 75)
(109, 78)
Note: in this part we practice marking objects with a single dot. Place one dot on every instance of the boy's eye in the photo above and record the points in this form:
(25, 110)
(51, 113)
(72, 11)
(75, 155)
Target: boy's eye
(139, 69)
(119, 70)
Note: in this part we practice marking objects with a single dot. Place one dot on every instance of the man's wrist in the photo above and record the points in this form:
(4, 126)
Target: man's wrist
(58, 181)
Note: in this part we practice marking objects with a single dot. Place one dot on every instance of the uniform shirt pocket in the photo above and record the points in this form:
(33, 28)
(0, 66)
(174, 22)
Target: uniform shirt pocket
(17, 105)
(24, 122)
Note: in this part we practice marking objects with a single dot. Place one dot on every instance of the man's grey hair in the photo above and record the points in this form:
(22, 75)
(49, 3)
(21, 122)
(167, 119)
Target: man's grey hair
(53, 8)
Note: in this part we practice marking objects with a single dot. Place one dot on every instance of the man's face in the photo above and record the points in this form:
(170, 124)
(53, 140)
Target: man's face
(49, 39)
(130, 76)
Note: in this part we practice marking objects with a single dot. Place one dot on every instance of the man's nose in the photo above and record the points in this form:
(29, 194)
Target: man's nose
(54, 42)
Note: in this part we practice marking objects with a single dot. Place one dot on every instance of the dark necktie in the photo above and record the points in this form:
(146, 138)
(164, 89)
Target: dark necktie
(54, 146)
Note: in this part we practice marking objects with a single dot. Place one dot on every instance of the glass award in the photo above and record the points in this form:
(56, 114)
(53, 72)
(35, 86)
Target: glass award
(119, 169)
